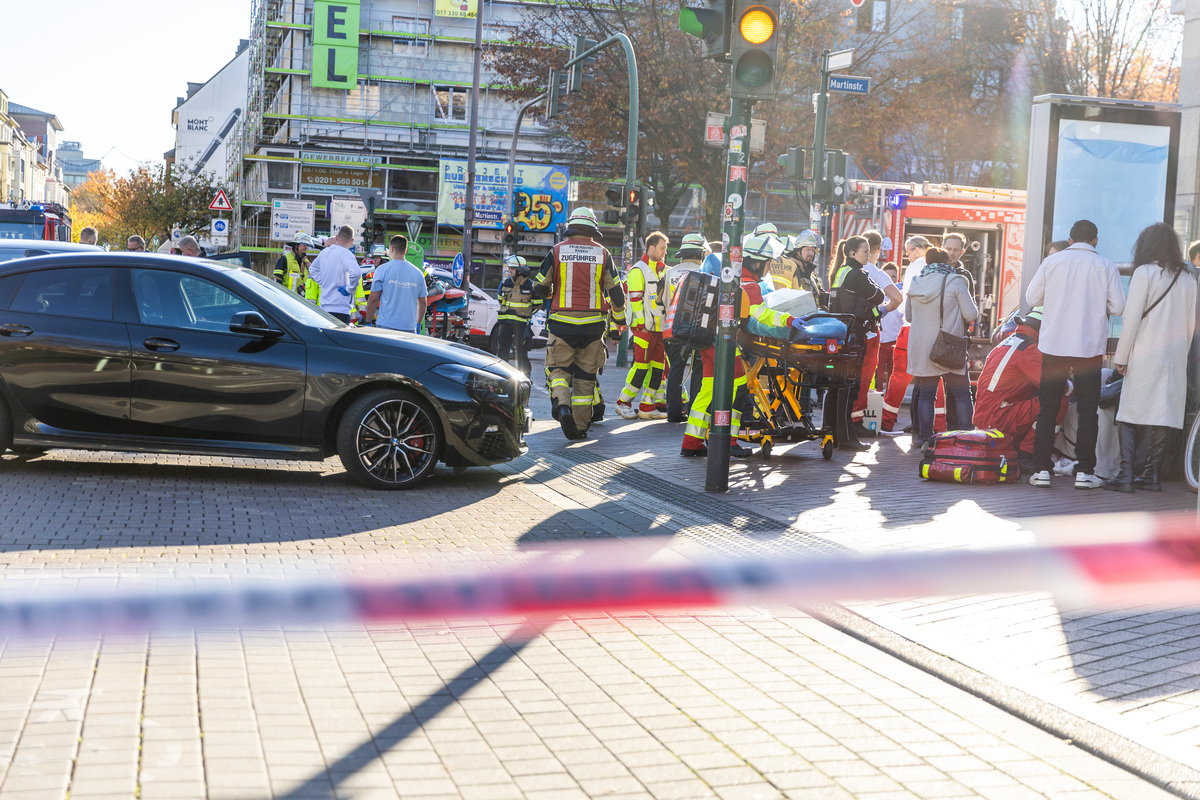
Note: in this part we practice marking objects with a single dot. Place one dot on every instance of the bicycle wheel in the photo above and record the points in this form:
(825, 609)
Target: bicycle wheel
(1191, 461)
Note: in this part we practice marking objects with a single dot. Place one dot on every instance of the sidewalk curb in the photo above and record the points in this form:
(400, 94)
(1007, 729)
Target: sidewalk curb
(1135, 758)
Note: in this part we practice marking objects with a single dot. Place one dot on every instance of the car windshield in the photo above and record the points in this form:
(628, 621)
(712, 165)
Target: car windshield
(290, 304)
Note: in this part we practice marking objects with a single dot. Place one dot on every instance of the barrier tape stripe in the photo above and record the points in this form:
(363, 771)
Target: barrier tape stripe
(1147, 560)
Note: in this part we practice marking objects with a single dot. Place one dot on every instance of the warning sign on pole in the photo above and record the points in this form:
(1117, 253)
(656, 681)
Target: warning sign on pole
(220, 202)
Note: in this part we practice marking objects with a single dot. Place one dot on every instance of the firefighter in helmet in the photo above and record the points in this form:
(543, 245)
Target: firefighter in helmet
(579, 282)
(516, 307)
(757, 251)
(290, 269)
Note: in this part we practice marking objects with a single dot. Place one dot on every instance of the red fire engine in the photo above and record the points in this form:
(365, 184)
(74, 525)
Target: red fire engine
(993, 220)
(46, 221)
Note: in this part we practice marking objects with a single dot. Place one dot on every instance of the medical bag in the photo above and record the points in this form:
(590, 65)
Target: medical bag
(692, 317)
(971, 457)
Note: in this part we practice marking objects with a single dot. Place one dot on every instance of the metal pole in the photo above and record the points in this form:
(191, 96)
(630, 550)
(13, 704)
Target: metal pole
(819, 153)
(469, 210)
(716, 478)
(512, 160)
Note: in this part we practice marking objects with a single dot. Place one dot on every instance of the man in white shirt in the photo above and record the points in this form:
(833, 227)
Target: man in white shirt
(336, 272)
(1078, 289)
(871, 356)
(915, 249)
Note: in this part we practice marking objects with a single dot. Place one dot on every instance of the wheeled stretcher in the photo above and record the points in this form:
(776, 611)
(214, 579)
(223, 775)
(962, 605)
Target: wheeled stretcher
(780, 373)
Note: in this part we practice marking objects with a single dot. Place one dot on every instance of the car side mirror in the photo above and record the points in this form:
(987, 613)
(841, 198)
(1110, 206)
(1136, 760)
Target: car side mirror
(253, 323)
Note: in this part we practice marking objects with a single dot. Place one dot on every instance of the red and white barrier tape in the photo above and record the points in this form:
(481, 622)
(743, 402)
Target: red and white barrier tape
(1112, 560)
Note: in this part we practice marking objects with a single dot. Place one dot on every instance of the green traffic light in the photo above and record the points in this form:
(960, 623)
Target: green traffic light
(689, 23)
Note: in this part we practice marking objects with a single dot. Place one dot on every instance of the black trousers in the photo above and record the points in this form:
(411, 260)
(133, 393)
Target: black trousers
(1085, 372)
(337, 315)
(509, 333)
(678, 356)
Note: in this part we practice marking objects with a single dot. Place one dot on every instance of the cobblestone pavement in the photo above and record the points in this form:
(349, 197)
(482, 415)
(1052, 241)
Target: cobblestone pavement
(744, 703)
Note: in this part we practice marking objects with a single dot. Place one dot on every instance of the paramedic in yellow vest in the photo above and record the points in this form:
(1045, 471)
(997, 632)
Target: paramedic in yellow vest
(692, 252)
(645, 315)
(579, 282)
(290, 269)
(796, 268)
(756, 252)
(366, 276)
(516, 307)
(312, 289)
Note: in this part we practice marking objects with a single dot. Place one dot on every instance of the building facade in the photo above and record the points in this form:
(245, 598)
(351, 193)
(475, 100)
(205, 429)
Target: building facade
(385, 107)
(44, 175)
(75, 166)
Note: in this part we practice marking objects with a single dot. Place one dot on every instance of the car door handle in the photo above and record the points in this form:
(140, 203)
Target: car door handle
(15, 329)
(161, 345)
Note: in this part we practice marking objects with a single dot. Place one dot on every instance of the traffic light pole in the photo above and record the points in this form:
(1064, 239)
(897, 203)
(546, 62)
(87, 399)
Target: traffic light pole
(716, 478)
(818, 181)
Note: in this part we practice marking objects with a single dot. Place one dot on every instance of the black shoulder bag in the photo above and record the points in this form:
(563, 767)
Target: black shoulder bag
(949, 351)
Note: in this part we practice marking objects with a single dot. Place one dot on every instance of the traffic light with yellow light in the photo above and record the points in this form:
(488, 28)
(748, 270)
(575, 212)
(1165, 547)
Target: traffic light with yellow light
(754, 44)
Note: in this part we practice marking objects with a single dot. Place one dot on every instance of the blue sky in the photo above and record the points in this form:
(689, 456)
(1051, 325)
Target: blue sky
(111, 70)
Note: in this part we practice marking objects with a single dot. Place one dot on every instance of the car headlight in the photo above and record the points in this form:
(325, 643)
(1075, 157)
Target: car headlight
(477, 380)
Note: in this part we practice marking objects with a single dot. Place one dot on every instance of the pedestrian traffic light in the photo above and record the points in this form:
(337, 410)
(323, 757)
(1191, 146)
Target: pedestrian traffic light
(580, 74)
(378, 232)
(793, 162)
(633, 204)
(554, 94)
(754, 44)
(365, 234)
(832, 188)
(512, 235)
(616, 197)
(711, 23)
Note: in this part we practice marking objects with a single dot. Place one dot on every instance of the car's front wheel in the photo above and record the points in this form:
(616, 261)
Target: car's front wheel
(389, 439)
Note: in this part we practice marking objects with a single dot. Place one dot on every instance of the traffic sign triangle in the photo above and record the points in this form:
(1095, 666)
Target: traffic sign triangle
(220, 202)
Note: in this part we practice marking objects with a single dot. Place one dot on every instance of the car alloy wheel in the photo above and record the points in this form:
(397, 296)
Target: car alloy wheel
(389, 440)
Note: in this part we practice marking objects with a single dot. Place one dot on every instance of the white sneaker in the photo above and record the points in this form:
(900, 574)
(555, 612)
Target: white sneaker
(655, 414)
(625, 411)
(1084, 480)
(1040, 478)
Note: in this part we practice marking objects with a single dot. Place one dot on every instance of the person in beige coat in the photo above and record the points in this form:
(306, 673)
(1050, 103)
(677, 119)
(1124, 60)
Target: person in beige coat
(928, 312)
(1156, 333)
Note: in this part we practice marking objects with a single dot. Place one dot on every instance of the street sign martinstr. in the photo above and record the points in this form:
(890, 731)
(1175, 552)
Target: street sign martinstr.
(848, 84)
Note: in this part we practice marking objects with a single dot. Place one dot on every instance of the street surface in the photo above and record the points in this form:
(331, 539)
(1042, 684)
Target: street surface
(882, 700)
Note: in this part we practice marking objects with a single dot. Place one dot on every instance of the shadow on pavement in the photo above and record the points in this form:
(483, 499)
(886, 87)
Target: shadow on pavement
(327, 782)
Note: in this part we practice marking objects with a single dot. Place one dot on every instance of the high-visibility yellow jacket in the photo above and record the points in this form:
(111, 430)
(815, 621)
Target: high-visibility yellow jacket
(516, 299)
(642, 290)
(290, 271)
(579, 282)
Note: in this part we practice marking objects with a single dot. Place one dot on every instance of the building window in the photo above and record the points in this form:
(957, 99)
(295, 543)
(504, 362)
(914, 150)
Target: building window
(363, 100)
(873, 16)
(988, 84)
(450, 103)
(956, 22)
(413, 47)
(500, 33)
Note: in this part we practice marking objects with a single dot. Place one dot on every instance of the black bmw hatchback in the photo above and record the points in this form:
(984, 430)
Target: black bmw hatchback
(167, 354)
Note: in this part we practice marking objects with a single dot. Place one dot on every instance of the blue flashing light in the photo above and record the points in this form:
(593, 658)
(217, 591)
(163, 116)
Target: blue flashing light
(898, 201)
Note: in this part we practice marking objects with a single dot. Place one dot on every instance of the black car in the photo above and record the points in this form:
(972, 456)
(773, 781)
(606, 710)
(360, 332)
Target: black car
(166, 354)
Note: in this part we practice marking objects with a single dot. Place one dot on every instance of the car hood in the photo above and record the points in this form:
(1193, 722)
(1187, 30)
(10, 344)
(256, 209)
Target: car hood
(409, 345)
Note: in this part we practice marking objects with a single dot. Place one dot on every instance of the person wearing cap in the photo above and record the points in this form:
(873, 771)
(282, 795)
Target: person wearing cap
(692, 252)
(645, 317)
(579, 281)
(1006, 397)
(757, 251)
(516, 307)
(290, 268)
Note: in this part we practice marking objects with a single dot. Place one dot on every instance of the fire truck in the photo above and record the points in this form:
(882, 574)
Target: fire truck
(45, 221)
(993, 220)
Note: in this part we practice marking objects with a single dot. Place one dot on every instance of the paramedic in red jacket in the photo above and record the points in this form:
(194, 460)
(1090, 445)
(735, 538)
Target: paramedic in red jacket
(1007, 393)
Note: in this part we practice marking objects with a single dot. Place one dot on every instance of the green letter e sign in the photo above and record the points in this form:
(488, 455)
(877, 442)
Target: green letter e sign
(335, 44)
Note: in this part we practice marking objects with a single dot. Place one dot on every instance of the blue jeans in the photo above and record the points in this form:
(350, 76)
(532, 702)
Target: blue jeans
(958, 397)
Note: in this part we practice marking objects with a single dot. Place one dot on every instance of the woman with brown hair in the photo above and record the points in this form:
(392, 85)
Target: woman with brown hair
(1152, 354)
(938, 300)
